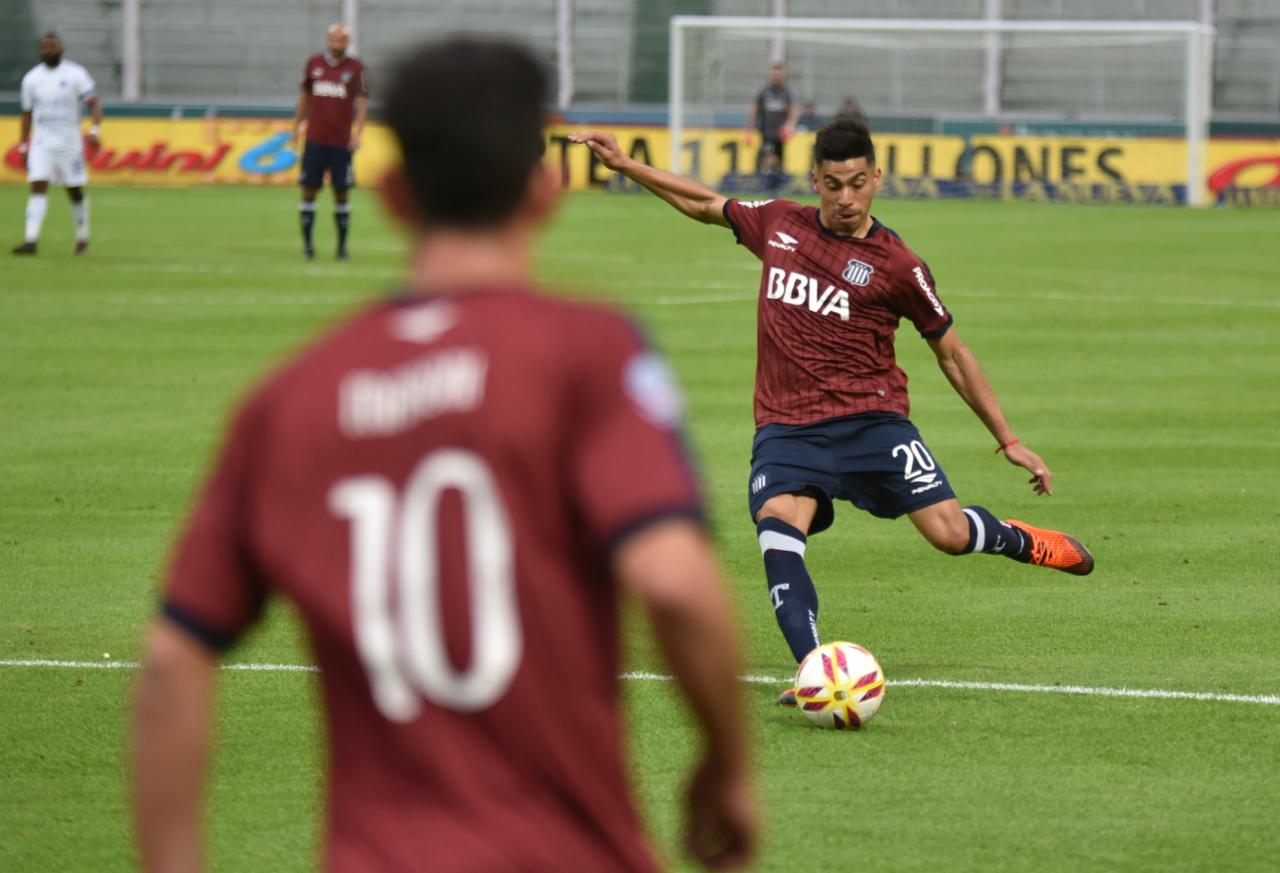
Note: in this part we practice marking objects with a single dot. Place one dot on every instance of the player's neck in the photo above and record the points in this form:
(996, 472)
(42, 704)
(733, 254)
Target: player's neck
(454, 261)
(860, 233)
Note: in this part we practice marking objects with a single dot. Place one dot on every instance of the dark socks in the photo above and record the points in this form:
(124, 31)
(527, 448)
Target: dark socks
(307, 216)
(342, 215)
(991, 535)
(795, 600)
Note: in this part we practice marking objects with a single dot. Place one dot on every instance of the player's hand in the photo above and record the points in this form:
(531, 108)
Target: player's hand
(294, 134)
(92, 141)
(605, 147)
(749, 138)
(722, 823)
(354, 142)
(785, 132)
(1041, 475)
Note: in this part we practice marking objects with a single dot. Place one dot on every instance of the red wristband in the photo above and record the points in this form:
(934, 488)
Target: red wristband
(1003, 446)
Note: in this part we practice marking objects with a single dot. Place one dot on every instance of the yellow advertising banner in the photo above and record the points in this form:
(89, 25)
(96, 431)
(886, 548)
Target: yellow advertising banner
(219, 150)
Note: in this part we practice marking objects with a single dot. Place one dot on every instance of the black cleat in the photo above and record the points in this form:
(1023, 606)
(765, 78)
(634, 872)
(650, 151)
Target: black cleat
(82, 246)
(787, 698)
(342, 255)
(27, 248)
(308, 254)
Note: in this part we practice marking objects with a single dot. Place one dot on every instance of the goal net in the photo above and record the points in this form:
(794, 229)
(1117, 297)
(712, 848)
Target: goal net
(1083, 109)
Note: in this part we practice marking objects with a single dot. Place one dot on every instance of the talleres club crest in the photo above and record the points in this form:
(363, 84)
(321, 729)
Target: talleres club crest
(858, 273)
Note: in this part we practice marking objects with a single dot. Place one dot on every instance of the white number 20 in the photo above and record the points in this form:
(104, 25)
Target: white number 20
(918, 459)
(395, 544)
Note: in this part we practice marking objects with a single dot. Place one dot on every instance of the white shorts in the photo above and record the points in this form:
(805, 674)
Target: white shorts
(60, 166)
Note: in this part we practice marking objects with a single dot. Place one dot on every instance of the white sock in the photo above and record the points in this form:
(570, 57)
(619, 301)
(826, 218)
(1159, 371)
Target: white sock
(36, 206)
(80, 213)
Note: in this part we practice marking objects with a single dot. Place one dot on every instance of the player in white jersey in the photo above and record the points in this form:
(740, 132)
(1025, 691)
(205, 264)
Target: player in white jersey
(52, 95)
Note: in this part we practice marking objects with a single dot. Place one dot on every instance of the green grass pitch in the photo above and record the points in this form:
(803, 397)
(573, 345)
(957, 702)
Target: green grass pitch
(1134, 348)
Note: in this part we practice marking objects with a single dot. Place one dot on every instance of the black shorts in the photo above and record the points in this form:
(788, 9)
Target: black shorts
(335, 160)
(768, 146)
(876, 461)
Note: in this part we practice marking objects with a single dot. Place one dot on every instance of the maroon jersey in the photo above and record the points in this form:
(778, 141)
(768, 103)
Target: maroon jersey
(829, 307)
(438, 486)
(334, 87)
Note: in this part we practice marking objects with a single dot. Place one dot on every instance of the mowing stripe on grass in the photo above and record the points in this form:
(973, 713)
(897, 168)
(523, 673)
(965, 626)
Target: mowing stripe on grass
(756, 679)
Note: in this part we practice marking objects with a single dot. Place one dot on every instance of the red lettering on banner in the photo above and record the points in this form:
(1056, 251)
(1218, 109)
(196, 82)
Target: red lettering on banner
(156, 159)
(1225, 176)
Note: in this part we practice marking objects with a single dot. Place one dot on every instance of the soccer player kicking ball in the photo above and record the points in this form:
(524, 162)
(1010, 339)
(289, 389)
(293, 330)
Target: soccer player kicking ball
(52, 94)
(830, 402)
(456, 487)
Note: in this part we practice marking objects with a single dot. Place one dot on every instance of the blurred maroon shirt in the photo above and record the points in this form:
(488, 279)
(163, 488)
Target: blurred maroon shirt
(438, 486)
(334, 87)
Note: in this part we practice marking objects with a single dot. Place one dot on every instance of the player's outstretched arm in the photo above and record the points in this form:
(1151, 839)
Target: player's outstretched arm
(966, 376)
(692, 198)
(671, 569)
(172, 707)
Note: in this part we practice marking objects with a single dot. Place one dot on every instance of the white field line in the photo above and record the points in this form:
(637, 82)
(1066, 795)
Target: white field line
(756, 679)
(1035, 296)
(207, 297)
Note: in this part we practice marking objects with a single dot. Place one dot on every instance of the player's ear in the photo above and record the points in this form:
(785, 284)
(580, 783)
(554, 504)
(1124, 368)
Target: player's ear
(397, 196)
(542, 192)
(813, 179)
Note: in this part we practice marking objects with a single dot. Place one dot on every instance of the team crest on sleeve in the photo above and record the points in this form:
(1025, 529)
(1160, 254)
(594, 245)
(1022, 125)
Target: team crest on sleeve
(858, 273)
(652, 389)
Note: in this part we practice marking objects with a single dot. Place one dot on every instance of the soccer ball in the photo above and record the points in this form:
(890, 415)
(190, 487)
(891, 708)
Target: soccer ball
(839, 685)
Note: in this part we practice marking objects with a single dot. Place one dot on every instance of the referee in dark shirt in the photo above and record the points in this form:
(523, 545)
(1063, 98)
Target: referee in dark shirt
(773, 116)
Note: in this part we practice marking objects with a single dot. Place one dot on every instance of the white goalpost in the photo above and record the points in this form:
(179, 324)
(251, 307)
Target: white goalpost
(1118, 78)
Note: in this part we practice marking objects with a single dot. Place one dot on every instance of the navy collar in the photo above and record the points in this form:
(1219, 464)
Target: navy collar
(817, 219)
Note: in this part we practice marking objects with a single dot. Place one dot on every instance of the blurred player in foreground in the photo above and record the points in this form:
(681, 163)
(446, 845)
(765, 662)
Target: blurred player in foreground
(831, 403)
(52, 94)
(333, 105)
(455, 487)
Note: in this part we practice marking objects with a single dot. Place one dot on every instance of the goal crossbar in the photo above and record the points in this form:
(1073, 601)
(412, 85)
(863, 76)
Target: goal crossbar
(1197, 39)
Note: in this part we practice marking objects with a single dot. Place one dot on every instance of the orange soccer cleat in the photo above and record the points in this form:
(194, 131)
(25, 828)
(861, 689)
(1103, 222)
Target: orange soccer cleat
(1052, 548)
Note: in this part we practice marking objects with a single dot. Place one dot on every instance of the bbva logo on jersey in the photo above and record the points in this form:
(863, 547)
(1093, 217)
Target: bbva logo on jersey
(798, 289)
(323, 88)
(858, 273)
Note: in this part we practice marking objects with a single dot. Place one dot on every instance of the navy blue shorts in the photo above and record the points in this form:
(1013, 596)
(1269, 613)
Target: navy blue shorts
(319, 159)
(876, 461)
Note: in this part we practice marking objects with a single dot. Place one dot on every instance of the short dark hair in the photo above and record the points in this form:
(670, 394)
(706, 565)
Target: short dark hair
(842, 140)
(468, 116)
(50, 34)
